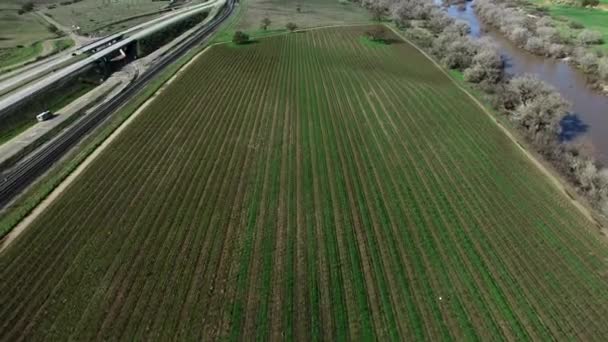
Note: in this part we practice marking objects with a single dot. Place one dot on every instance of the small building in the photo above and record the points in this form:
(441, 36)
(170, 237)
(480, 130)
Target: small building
(44, 116)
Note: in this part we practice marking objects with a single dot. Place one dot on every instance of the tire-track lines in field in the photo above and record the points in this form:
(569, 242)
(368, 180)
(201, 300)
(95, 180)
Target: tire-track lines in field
(43, 254)
(114, 283)
(278, 321)
(462, 314)
(362, 220)
(55, 283)
(303, 312)
(552, 210)
(445, 280)
(235, 194)
(260, 263)
(341, 291)
(405, 281)
(375, 166)
(380, 120)
(369, 96)
(220, 273)
(110, 275)
(389, 303)
(469, 245)
(221, 195)
(74, 211)
(132, 296)
(366, 329)
(250, 284)
(423, 157)
(184, 180)
(402, 104)
(541, 258)
(269, 253)
(254, 232)
(307, 289)
(316, 148)
(533, 249)
(372, 109)
(200, 266)
(572, 229)
(352, 110)
(420, 270)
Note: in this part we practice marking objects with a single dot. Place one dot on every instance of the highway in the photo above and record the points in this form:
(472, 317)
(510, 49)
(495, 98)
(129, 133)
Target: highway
(30, 73)
(31, 167)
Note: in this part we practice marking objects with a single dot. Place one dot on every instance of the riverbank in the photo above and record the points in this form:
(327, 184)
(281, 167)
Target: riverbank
(588, 120)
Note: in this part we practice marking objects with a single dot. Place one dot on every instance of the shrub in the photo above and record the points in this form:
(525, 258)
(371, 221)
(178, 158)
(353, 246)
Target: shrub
(291, 26)
(602, 68)
(265, 23)
(377, 34)
(575, 25)
(421, 36)
(27, 7)
(535, 45)
(588, 62)
(588, 37)
(240, 38)
(590, 3)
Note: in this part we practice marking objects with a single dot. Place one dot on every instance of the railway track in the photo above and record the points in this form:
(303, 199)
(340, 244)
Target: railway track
(13, 181)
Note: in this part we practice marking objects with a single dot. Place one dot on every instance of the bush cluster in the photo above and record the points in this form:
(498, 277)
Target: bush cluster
(537, 34)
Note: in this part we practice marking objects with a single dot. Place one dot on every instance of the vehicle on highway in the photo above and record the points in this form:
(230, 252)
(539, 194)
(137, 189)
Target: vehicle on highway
(46, 115)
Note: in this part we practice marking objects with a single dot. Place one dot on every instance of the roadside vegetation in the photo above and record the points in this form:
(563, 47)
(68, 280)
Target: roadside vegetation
(21, 35)
(535, 108)
(309, 186)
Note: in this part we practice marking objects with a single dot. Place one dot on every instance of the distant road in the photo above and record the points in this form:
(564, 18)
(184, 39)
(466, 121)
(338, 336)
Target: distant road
(137, 31)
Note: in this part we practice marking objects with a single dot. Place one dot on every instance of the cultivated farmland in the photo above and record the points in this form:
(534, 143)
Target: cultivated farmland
(311, 185)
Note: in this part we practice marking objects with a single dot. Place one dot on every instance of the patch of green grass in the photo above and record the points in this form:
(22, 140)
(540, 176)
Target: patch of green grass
(62, 44)
(591, 18)
(372, 43)
(17, 55)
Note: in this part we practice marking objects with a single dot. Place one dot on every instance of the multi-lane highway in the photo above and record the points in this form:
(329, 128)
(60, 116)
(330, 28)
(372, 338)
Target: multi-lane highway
(32, 166)
(48, 75)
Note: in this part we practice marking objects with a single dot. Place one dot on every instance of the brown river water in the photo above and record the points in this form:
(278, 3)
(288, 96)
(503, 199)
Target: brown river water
(588, 118)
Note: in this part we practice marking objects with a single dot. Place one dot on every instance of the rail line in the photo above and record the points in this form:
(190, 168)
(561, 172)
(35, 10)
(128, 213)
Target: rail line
(36, 163)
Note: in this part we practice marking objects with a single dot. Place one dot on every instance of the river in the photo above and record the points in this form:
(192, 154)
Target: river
(588, 120)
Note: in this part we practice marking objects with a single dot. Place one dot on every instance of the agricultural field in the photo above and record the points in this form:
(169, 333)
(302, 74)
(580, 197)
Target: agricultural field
(312, 13)
(312, 185)
(21, 36)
